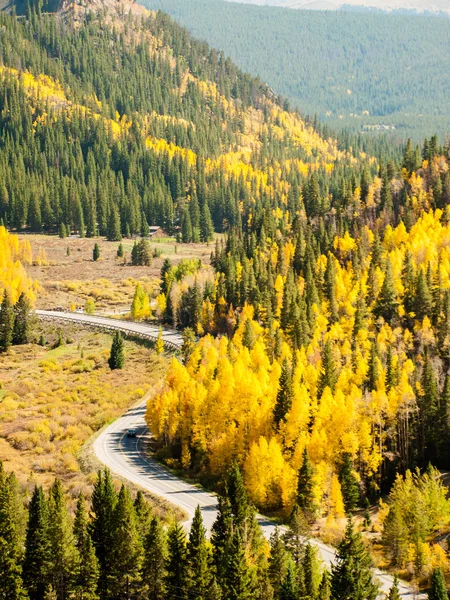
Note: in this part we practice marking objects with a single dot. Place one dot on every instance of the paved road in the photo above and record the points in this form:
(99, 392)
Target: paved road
(127, 457)
(171, 338)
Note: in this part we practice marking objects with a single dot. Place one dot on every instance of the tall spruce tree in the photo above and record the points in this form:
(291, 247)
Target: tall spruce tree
(438, 588)
(387, 302)
(238, 583)
(278, 561)
(328, 374)
(113, 233)
(351, 576)
(297, 533)
(198, 556)
(38, 551)
(86, 572)
(285, 394)
(117, 355)
(289, 587)
(11, 583)
(21, 329)
(177, 574)
(394, 593)
(62, 543)
(221, 534)
(104, 500)
(311, 571)
(154, 562)
(349, 484)
(6, 322)
(305, 488)
(126, 551)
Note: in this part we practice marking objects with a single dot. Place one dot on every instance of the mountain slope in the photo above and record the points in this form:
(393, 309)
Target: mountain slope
(358, 71)
(108, 124)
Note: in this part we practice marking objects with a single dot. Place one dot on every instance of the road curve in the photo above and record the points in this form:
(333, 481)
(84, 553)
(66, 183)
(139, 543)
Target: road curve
(127, 457)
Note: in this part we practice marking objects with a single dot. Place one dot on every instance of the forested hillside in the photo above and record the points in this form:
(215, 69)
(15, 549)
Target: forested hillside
(357, 71)
(105, 129)
(330, 374)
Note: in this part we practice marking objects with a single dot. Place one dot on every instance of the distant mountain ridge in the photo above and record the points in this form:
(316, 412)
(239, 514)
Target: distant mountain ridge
(417, 6)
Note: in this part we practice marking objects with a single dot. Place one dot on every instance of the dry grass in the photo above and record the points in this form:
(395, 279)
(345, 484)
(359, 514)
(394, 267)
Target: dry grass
(54, 400)
(110, 282)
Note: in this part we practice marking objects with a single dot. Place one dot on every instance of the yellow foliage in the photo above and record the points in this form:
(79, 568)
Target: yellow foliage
(13, 255)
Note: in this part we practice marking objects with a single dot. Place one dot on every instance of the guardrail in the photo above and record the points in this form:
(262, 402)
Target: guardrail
(127, 332)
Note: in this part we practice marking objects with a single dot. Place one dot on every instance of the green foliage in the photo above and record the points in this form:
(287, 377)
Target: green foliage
(394, 593)
(38, 552)
(96, 253)
(285, 392)
(261, 38)
(11, 584)
(21, 329)
(6, 322)
(86, 572)
(349, 483)
(200, 576)
(177, 576)
(438, 589)
(352, 575)
(117, 355)
(141, 254)
(305, 488)
(154, 563)
(126, 549)
(418, 506)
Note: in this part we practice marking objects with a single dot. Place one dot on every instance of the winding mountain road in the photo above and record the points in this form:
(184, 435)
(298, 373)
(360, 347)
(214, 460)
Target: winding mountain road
(127, 457)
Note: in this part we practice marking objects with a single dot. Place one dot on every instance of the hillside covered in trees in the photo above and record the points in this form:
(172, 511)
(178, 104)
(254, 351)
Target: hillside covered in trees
(356, 71)
(108, 125)
(330, 372)
(116, 547)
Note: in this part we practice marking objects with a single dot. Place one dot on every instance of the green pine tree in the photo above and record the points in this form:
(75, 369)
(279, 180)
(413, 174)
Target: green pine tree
(120, 250)
(221, 533)
(21, 329)
(113, 230)
(285, 394)
(87, 570)
(38, 551)
(349, 483)
(328, 374)
(200, 577)
(62, 542)
(278, 561)
(11, 584)
(6, 322)
(117, 355)
(103, 503)
(324, 592)
(154, 562)
(297, 534)
(312, 574)
(96, 252)
(177, 574)
(351, 574)
(239, 584)
(394, 593)
(206, 224)
(237, 497)
(126, 552)
(289, 587)
(387, 303)
(305, 488)
(438, 589)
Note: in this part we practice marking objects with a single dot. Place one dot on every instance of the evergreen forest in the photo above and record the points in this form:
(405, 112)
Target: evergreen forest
(357, 71)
